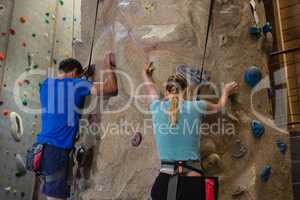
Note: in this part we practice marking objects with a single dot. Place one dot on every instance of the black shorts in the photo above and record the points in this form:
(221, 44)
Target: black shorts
(189, 188)
(55, 159)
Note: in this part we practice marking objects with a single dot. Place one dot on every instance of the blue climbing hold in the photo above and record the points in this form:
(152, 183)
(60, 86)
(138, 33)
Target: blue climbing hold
(265, 173)
(257, 129)
(282, 147)
(255, 31)
(267, 28)
(252, 76)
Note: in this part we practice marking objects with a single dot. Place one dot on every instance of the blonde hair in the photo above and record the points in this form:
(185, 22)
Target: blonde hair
(175, 84)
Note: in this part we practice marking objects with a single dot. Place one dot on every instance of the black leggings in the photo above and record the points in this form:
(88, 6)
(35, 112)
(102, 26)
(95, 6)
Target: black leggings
(189, 188)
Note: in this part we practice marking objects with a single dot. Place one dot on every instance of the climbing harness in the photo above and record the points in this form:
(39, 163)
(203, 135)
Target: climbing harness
(209, 21)
(209, 185)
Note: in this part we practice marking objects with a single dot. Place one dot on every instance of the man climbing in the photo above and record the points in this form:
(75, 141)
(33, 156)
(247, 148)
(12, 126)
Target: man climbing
(61, 100)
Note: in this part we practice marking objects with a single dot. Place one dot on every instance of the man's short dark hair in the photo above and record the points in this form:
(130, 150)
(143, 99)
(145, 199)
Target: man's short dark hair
(70, 65)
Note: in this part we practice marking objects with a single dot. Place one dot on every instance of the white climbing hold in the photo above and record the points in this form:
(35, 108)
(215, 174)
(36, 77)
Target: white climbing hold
(16, 126)
(2, 9)
(7, 189)
(253, 6)
(46, 35)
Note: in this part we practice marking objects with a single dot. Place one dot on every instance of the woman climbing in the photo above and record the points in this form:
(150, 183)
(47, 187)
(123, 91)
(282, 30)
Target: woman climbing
(176, 123)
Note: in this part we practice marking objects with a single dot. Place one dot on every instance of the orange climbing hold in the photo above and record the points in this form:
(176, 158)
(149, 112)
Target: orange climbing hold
(6, 113)
(2, 56)
(23, 19)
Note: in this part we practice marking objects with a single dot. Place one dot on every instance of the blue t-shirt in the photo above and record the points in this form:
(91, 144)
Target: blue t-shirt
(180, 143)
(61, 101)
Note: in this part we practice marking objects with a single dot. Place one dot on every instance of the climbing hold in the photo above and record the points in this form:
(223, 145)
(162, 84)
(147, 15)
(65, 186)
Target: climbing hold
(21, 169)
(54, 61)
(64, 18)
(2, 9)
(257, 129)
(35, 66)
(46, 35)
(19, 83)
(282, 147)
(239, 150)
(22, 194)
(267, 28)
(255, 32)
(270, 93)
(16, 126)
(211, 162)
(3, 34)
(47, 14)
(237, 192)
(24, 44)
(92, 118)
(265, 173)
(26, 81)
(47, 21)
(2, 56)
(12, 31)
(23, 19)
(1, 102)
(33, 35)
(6, 113)
(149, 6)
(61, 2)
(252, 76)
(136, 140)
(7, 189)
(24, 102)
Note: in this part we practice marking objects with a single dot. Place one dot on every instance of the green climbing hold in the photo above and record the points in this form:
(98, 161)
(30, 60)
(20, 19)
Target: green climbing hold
(35, 66)
(24, 102)
(34, 35)
(61, 2)
(47, 21)
(55, 61)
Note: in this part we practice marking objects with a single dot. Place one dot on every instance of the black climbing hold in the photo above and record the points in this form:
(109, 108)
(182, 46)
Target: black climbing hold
(64, 18)
(22, 194)
(252, 76)
(270, 93)
(33, 35)
(55, 61)
(1, 102)
(282, 147)
(265, 173)
(257, 129)
(47, 14)
(136, 140)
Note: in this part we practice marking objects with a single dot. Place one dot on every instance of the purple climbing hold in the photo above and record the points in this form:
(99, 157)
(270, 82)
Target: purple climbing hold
(136, 140)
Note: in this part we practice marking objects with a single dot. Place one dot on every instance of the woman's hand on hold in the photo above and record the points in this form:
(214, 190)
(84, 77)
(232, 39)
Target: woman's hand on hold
(230, 88)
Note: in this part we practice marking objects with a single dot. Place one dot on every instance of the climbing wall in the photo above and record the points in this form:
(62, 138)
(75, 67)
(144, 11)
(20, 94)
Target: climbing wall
(170, 32)
(35, 36)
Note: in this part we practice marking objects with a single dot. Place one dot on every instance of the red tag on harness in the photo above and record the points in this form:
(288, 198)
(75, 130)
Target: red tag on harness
(37, 161)
(210, 186)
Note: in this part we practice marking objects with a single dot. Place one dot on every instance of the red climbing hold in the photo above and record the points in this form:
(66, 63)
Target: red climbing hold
(2, 56)
(6, 113)
(23, 19)
(24, 44)
(3, 34)
(136, 140)
(12, 31)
